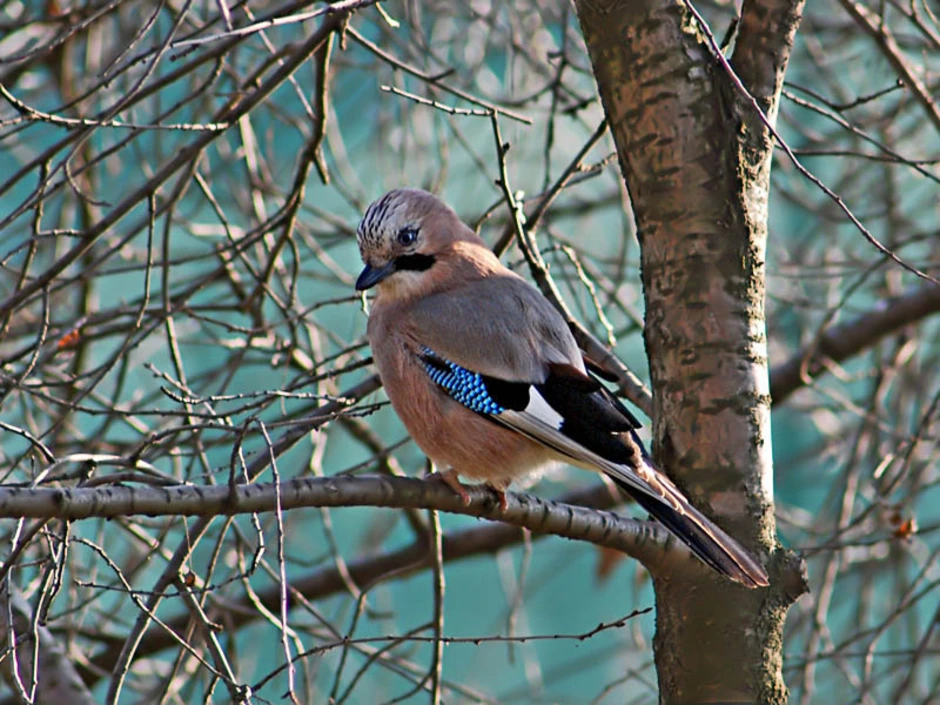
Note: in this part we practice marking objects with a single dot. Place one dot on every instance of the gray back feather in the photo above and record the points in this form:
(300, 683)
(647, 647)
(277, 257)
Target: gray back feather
(499, 326)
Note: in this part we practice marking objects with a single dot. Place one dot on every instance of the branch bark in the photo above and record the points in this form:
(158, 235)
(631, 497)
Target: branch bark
(841, 342)
(645, 541)
(369, 571)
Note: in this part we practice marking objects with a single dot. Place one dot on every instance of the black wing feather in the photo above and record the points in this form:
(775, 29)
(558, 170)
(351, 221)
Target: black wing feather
(597, 420)
(593, 416)
(509, 395)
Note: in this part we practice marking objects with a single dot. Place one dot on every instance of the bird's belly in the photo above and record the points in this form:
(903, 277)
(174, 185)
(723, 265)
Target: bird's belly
(480, 449)
(452, 436)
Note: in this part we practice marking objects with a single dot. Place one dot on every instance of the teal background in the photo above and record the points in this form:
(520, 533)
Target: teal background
(818, 264)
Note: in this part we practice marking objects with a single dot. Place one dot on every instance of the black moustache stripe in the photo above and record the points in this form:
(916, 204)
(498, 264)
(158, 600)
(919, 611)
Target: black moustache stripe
(414, 263)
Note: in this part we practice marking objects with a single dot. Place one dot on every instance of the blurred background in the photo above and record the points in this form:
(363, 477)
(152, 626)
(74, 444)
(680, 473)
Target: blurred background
(178, 285)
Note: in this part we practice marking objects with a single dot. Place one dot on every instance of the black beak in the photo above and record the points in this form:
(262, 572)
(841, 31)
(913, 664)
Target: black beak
(371, 276)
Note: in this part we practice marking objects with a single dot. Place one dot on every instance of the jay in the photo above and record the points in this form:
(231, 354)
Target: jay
(487, 378)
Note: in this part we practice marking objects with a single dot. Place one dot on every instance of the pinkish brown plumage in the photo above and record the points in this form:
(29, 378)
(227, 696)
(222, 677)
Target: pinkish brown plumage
(487, 378)
(453, 438)
(402, 314)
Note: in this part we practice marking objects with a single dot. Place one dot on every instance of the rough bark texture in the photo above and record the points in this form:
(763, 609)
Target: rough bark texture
(696, 160)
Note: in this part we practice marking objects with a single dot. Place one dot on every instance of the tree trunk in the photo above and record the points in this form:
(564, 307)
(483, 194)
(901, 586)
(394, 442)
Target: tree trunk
(695, 156)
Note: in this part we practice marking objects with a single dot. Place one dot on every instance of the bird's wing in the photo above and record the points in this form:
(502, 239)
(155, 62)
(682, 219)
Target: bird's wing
(574, 415)
(503, 328)
(499, 326)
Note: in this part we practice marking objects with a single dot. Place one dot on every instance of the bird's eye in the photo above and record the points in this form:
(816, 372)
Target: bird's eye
(407, 236)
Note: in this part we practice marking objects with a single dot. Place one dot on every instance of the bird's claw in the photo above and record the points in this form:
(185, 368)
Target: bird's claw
(449, 478)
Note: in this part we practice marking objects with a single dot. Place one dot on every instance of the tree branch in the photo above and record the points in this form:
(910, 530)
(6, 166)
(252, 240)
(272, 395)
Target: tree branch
(763, 47)
(227, 115)
(876, 27)
(39, 658)
(402, 563)
(851, 338)
(641, 539)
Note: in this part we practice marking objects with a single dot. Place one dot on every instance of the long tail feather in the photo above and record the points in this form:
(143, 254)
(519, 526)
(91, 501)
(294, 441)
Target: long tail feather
(660, 497)
(712, 545)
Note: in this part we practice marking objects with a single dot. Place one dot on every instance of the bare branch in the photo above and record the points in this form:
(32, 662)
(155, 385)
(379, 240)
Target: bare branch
(38, 662)
(853, 337)
(640, 539)
(879, 31)
(397, 564)
(762, 50)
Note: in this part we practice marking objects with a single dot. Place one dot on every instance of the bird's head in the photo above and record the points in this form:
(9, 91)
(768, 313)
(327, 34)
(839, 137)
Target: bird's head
(402, 237)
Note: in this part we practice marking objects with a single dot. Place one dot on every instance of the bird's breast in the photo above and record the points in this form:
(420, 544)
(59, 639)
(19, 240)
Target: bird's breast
(451, 435)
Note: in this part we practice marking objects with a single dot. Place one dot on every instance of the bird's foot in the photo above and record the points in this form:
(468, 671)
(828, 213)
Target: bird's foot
(449, 478)
(501, 498)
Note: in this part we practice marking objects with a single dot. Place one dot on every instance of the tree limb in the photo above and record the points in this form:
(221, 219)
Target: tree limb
(39, 658)
(640, 539)
(851, 338)
(765, 40)
(402, 563)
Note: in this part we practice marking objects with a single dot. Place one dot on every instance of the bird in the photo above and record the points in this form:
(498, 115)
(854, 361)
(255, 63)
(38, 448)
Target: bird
(488, 380)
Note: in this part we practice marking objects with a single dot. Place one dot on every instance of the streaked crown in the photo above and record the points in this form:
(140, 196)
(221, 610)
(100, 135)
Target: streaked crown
(394, 213)
(404, 234)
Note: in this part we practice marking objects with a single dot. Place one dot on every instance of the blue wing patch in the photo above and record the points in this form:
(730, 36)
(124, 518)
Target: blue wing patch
(462, 385)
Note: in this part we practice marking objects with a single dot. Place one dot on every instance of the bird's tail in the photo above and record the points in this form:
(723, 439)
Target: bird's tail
(710, 543)
(623, 459)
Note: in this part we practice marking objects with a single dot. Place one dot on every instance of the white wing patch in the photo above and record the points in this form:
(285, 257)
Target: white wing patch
(541, 410)
(643, 478)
